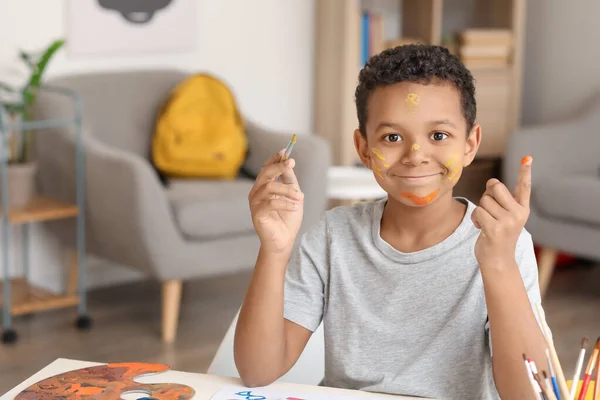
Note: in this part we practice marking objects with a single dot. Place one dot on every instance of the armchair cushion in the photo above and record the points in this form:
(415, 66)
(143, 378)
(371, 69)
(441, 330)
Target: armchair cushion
(206, 209)
(573, 197)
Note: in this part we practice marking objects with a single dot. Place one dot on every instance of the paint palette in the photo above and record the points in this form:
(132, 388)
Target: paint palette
(106, 382)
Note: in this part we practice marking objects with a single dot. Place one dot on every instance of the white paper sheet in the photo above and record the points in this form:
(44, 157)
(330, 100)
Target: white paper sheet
(242, 393)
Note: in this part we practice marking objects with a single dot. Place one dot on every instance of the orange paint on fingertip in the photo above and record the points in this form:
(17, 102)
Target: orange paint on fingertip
(526, 160)
(421, 200)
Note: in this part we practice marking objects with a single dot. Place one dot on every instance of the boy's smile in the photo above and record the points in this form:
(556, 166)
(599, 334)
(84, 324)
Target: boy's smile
(416, 140)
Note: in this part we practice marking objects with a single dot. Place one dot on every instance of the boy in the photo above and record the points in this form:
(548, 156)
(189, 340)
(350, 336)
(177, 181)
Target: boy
(420, 293)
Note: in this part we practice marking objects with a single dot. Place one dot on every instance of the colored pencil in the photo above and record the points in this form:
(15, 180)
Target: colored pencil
(560, 377)
(588, 371)
(578, 366)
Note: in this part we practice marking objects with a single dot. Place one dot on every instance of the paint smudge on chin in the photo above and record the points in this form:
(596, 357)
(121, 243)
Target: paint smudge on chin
(376, 169)
(421, 200)
(378, 153)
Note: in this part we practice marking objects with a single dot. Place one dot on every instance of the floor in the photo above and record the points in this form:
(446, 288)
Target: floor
(126, 325)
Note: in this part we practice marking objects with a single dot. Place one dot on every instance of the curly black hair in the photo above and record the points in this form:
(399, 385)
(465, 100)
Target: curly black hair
(419, 63)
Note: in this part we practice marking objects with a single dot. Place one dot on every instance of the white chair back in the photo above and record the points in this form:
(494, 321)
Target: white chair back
(308, 370)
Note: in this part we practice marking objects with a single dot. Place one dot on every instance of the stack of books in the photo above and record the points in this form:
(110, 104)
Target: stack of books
(372, 35)
(482, 48)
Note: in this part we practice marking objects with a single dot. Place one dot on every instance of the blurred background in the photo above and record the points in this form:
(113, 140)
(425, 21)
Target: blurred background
(117, 248)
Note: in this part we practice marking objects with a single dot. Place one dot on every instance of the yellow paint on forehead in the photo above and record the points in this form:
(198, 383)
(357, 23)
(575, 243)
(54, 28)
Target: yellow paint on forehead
(378, 153)
(412, 101)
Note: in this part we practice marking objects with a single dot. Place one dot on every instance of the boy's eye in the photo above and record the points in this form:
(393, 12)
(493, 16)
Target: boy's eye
(393, 137)
(439, 136)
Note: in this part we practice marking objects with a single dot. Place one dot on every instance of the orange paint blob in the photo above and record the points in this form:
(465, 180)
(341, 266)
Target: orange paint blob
(526, 160)
(421, 200)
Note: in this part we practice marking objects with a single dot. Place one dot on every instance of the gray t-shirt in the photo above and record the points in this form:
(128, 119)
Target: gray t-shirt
(399, 323)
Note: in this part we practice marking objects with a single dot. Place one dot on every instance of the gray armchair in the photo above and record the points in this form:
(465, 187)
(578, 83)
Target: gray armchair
(185, 230)
(565, 197)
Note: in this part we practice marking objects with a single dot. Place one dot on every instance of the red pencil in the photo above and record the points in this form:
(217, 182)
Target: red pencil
(589, 370)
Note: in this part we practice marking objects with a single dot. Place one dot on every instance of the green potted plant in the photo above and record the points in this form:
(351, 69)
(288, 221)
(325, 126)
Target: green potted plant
(19, 104)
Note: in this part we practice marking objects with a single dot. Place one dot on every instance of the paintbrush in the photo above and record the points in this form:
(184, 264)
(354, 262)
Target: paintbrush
(288, 149)
(560, 377)
(552, 393)
(547, 395)
(552, 375)
(588, 371)
(287, 152)
(534, 385)
(578, 366)
(597, 380)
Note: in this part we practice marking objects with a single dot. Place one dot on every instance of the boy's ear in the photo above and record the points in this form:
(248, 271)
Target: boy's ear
(473, 142)
(362, 148)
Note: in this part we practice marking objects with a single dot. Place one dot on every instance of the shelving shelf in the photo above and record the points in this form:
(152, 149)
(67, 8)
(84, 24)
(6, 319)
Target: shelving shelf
(18, 295)
(26, 298)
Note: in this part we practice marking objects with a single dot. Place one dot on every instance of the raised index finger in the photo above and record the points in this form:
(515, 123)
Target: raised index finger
(523, 189)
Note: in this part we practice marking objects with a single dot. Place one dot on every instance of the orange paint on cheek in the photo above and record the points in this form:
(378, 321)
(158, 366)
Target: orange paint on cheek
(454, 167)
(378, 153)
(376, 169)
(421, 200)
(455, 174)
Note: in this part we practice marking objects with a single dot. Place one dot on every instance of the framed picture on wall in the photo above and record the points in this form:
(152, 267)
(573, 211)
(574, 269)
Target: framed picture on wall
(124, 27)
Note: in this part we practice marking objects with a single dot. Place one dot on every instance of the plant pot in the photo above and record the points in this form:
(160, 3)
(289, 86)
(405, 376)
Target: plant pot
(20, 184)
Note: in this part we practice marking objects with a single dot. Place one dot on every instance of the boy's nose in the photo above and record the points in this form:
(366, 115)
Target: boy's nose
(414, 154)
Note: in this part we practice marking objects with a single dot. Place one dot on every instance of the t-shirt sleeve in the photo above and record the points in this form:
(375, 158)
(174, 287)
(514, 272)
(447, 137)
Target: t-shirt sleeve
(306, 278)
(527, 262)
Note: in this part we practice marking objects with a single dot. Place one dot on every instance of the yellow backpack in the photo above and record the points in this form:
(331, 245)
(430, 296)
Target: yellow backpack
(199, 132)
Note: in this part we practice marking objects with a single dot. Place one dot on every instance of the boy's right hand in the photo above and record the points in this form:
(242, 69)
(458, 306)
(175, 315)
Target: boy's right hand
(276, 207)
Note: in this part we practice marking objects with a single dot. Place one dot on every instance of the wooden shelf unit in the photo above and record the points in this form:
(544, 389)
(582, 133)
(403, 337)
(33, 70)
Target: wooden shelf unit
(42, 209)
(337, 65)
(25, 297)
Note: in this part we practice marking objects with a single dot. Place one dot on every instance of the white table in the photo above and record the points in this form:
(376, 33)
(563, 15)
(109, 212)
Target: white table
(353, 183)
(204, 385)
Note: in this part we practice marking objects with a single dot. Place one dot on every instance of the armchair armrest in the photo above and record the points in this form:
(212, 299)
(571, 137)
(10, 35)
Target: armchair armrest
(563, 148)
(128, 218)
(312, 155)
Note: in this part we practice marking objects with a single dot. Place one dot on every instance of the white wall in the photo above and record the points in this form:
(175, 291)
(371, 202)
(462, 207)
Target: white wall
(562, 58)
(262, 48)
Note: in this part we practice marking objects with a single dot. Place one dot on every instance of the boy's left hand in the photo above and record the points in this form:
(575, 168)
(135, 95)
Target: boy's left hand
(501, 218)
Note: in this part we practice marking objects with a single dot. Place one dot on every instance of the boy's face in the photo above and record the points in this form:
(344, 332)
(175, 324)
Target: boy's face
(416, 141)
